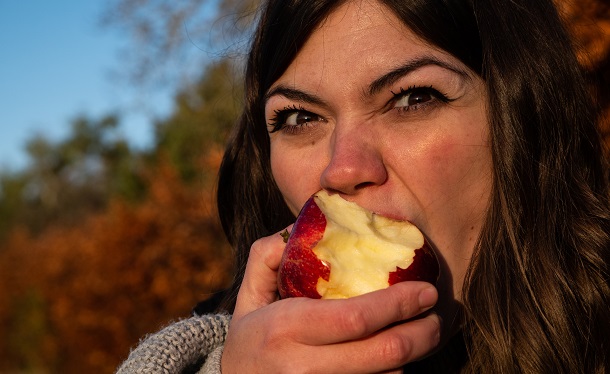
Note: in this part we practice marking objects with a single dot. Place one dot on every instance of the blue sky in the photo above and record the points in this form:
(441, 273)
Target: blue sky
(55, 64)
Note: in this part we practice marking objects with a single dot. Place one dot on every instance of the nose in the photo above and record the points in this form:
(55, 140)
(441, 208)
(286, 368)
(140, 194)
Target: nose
(355, 163)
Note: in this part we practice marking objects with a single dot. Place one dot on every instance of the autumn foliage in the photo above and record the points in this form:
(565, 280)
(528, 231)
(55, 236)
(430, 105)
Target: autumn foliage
(589, 22)
(79, 297)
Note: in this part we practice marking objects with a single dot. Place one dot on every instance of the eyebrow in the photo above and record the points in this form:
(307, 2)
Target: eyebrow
(375, 87)
(410, 66)
(294, 94)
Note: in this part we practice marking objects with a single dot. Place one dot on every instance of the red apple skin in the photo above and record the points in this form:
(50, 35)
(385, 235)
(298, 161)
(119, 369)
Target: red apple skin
(300, 268)
(425, 267)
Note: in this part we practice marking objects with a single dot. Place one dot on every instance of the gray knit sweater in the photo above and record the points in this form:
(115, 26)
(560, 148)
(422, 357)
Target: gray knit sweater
(193, 343)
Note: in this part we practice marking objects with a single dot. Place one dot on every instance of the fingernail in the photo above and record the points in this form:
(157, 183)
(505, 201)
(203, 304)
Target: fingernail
(427, 297)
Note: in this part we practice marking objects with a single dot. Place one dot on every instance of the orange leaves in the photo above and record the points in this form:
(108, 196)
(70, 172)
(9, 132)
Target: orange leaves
(103, 284)
(589, 22)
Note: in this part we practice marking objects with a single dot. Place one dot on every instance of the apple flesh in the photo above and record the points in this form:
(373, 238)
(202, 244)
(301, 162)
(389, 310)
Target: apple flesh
(337, 249)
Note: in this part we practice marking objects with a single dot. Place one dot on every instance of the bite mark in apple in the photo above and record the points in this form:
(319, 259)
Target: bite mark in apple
(338, 249)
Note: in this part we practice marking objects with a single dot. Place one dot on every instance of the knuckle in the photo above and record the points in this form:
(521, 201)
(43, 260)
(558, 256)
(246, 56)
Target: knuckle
(257, 249)
(266, 250)
(274, 338)
(395, 350)
(407, 305)
(280, 353)
(354, 322)
(260, 251)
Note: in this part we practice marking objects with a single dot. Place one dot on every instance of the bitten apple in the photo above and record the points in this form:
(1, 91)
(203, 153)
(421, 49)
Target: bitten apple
(337, 249)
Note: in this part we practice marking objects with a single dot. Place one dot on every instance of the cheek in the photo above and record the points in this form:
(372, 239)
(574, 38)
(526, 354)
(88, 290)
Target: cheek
(456, 168)
(453, 193)
(448, 174)
(297, 179)
(455, 162)
(455, 189)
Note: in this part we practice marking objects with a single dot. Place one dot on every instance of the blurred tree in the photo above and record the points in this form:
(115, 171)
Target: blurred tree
(12, 185)
(168, 41)
(204, 113)
(75, 299)
(83, 290)
(71, 178)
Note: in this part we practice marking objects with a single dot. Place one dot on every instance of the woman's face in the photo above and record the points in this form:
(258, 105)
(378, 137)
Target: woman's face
(369, 110)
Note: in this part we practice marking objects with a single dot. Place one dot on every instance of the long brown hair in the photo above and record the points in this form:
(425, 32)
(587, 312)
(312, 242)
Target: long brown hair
(537, 295)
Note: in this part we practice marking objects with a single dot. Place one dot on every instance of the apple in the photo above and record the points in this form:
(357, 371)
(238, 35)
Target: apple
(337, 249)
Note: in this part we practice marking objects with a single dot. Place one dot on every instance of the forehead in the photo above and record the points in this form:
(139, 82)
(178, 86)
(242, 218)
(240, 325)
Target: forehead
(358, 40)
(353, 19)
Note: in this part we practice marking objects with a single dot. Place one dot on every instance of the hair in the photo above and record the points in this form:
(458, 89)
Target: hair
(537, 294)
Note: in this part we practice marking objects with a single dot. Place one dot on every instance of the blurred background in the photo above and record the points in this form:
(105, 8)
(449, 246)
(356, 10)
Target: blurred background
(115, 113)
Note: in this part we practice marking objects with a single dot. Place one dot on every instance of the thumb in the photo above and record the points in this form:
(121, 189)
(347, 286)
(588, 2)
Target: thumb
(259, 286)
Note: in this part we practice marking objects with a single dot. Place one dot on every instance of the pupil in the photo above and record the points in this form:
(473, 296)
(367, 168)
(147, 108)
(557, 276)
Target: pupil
(418, 98)
(303, 118)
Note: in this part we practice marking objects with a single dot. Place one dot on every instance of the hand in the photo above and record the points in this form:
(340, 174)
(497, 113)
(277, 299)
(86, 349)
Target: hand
(305, 335)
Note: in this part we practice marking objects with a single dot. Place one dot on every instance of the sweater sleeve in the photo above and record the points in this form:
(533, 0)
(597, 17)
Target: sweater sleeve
(212, 362)
(180, 345)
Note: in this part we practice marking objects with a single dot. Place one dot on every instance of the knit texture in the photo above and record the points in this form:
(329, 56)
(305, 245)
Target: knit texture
(212, 362)
(179, 346)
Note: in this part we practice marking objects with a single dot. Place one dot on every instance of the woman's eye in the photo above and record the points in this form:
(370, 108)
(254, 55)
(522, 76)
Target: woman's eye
(300, 118)
(418, 97)
(414, 98)
(293, 120)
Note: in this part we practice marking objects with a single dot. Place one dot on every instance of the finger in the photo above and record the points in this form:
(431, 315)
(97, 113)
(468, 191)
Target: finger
(359, 317)
(259, 286)
(383, 351)
(389, 349)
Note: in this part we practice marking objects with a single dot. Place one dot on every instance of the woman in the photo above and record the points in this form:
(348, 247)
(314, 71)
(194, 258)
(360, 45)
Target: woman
(468, 118)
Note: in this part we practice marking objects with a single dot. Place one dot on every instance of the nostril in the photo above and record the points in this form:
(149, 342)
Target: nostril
(363, 185)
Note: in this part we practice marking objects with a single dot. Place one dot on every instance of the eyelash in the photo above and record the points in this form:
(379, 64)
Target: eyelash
(278, 121)
(428, 90)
